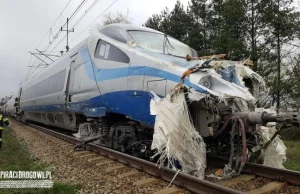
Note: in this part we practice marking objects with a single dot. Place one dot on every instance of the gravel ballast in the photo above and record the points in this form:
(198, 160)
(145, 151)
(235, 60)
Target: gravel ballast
(69, 168)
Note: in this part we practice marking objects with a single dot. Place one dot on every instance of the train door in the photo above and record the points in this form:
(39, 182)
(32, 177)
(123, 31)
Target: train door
(78, 85)
(69, 84)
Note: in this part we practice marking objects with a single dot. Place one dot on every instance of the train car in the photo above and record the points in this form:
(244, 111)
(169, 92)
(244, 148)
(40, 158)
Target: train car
(12, 104)
(102, 75)
(5, 109)
(103, 86)
(10, 107)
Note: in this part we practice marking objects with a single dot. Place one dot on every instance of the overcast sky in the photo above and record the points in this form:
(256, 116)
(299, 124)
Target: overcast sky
(24, 23)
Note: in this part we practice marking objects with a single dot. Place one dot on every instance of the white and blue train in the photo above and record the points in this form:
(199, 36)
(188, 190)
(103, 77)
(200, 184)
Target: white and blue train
(105, 82)
(105, 74)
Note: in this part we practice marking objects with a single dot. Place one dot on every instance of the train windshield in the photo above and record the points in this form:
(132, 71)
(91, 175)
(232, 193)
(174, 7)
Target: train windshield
(161, 43)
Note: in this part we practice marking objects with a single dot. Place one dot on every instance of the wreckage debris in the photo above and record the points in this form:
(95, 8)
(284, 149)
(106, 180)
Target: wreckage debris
(189, 122)
(175, 137)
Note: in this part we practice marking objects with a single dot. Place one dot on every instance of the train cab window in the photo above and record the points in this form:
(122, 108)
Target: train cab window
(102, 50)
(109, 52)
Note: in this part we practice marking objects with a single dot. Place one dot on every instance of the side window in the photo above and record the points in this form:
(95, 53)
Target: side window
(109, 52)
(53, 84)
(57, 82)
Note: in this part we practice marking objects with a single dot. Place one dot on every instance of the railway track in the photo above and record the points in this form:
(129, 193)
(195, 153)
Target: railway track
(264, 179)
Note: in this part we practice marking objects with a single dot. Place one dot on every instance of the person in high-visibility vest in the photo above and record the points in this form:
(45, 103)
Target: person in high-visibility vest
(3, 122)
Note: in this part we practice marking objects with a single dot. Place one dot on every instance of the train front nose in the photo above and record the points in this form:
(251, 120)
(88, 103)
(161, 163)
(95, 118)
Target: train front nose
(212, 83)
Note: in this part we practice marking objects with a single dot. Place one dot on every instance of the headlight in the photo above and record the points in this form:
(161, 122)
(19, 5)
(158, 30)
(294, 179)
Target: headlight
(204, 81)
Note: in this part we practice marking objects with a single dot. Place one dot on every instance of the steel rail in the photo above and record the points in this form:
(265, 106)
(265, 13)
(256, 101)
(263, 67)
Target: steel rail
(289, 176)
(181, 180)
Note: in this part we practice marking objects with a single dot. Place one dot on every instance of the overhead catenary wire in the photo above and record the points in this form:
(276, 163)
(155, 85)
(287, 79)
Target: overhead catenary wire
(37, 67)
(76, 23)
(49, 31)
(95, 20)
(87, 26)
(87, 10)
(30, 68)
(54, 23)
(57, 34)
(73, 14)
(70, 18)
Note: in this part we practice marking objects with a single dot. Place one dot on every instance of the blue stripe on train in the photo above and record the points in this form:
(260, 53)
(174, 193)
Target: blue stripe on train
(136, 107)
(107, 74)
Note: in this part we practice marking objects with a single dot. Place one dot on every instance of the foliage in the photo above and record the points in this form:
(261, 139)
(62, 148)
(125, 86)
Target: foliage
(5, 100)
(119, 17)
(292, 154)
(111, 18)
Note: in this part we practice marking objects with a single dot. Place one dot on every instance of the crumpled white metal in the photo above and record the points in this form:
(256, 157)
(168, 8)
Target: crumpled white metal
(175, 137)
(275, 154)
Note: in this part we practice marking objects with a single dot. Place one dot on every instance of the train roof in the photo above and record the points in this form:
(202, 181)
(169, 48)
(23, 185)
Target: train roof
(116, 31)
(120, 33)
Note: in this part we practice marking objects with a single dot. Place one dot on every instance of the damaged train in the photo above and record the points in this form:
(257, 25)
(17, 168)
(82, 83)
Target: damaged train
(104, 90)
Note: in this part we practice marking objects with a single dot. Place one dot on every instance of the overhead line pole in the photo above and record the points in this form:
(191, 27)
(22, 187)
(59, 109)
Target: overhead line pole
(74, 13)
(67, 47)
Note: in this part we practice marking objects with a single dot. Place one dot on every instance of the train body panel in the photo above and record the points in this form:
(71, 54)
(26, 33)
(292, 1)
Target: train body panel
(43, 97)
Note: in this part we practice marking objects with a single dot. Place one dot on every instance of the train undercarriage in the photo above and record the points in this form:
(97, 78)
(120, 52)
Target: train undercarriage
(119, 133)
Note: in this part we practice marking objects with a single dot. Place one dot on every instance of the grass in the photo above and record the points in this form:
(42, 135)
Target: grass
(292, 154)
(291, 139)
(14, 156)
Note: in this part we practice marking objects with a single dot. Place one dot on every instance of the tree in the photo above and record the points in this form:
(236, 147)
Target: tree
(111, 18)
(199, 29)
(254, 26)
(5, 99)
(231, 40)
(119, 17)
(154, 22)
(175, 23)
(281, 23)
